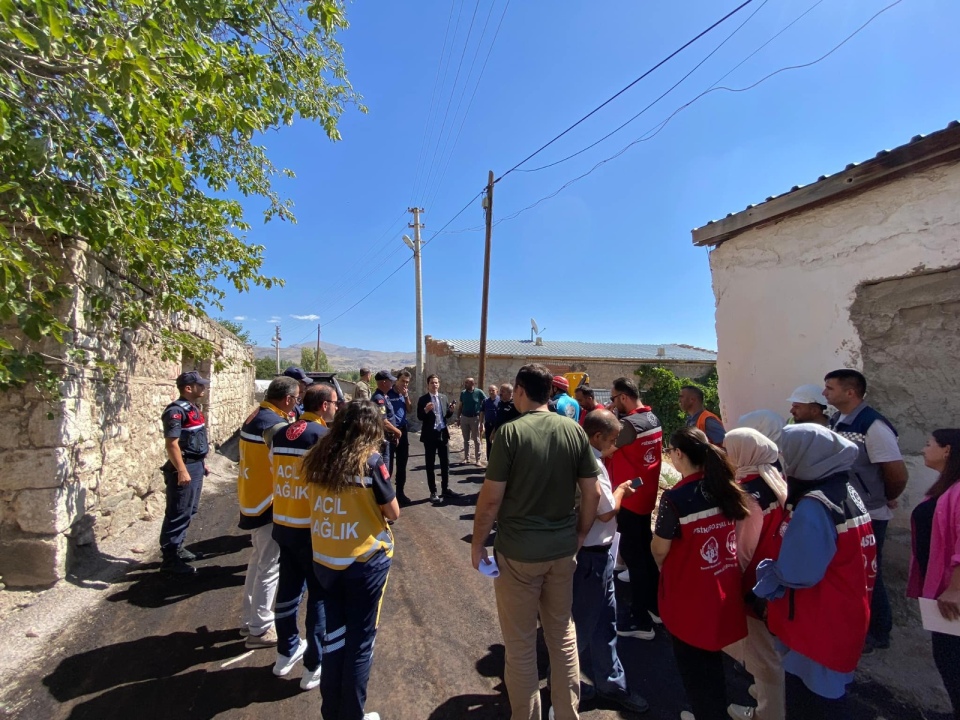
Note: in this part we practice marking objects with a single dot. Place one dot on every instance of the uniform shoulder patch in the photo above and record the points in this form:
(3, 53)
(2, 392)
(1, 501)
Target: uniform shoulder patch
(176, 416)
(384, 472)
(296, 429)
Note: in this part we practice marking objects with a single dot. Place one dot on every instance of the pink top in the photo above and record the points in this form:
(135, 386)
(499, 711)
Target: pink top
(944, 549)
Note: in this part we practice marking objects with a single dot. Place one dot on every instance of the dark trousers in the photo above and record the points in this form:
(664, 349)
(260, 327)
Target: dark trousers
(433, 447)
(487, 432)
(183, 502)
(296, 574)
(595, 617)
(881, 616)
(635, 539)
(702, 674)
(946, 654)
(352, 600)
(804, 704)
(402, 452)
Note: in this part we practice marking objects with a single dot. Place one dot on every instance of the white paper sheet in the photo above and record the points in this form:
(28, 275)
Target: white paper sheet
(934, 621)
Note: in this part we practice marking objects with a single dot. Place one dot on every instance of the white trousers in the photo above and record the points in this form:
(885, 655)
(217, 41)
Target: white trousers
(260, 589)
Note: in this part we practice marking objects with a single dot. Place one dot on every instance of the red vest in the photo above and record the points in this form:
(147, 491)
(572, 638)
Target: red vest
(770, 538)
(828, 622)
(701, 599)
(641, 458)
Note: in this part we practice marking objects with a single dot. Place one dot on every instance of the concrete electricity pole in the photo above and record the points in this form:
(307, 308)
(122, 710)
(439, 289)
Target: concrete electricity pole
(316, 358)
(276, 344)
(488, 206)
(415, 246)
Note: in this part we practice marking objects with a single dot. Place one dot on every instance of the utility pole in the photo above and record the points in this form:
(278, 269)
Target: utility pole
(276, 344)
(488, 206)
(316, 358)
(415, 246)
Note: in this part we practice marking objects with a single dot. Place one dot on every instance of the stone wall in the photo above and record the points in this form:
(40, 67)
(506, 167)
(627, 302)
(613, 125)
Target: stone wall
(454, 367)
(88, 466)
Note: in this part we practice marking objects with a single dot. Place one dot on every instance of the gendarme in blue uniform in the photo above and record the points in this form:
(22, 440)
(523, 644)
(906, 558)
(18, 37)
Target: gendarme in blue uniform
(184, 421)
(387, 412)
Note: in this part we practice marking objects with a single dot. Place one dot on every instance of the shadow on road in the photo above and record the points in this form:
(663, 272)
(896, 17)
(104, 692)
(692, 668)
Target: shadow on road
(151, 589)
(196, 694)
(475, 706)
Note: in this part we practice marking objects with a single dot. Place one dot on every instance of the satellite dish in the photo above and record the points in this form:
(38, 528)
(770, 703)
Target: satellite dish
(533, 324)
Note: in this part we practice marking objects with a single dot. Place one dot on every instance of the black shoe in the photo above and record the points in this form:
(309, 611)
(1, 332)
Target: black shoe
(448, 493)
(636, 630)
(188, 556)
(587, 692)
(434, 497)
(176, 566)
(628, 701)
(403, 500)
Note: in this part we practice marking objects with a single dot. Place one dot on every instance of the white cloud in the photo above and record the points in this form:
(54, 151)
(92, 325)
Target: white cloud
(239, 317)
(274, 319)
(305, 317)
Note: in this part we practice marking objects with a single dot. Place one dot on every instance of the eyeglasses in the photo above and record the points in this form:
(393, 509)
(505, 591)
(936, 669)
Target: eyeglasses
(614, 397)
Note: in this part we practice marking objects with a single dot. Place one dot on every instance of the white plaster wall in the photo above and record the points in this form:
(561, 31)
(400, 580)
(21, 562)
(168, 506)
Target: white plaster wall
(784, 291)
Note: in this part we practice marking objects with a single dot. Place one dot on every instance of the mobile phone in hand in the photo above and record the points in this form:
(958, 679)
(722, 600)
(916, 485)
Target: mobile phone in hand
(636, 482)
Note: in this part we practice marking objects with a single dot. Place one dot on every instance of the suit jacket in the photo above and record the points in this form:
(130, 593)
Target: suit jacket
(429, 419)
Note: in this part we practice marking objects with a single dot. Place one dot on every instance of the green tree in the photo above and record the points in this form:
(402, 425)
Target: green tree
(661, 391)
(307, 357)
(125, 123)
(266, 368)
(237, 329)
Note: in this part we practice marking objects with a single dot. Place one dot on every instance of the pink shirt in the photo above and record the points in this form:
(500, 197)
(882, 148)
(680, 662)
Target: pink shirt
(944, 549)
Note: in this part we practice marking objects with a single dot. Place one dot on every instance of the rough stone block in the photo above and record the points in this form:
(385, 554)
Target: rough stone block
(43, 430)
(48, 511)
(34, 561)
(44, 468)
(126, 514)
(110, 503)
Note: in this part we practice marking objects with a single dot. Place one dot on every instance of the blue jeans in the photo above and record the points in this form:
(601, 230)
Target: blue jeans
(595, 616)
(352, 599)
(296, 573)
(881, 616)
(183, 502)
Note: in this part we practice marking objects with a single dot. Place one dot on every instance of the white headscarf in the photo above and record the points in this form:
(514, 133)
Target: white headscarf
(754, 454)
(766, 422)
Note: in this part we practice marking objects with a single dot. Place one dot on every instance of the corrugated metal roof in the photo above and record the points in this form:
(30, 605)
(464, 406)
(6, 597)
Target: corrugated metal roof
(851, 179)
(573, 349)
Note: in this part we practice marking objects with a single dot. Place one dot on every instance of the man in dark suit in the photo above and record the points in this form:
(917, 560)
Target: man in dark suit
(434, 410)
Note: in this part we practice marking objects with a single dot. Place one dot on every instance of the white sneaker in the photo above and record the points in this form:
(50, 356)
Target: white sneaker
(656, 618)
(285, 664)
(310, 679)
(550, 715)
(741, 712)
(686, 715)
(371, 716)
(624, 576)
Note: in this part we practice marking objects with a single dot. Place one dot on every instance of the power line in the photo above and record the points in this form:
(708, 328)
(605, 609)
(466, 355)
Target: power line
(621, 92)
(476, 87)
(656, 129)
(650, 105)
(433, 94)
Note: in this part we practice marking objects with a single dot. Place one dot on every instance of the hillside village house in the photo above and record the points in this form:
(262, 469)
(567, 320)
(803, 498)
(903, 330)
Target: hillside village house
(859, 269)
(454, 360)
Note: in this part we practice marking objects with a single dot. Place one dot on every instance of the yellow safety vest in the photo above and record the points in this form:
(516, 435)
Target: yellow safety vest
(348, 527)
(255, 481)
(291, 498)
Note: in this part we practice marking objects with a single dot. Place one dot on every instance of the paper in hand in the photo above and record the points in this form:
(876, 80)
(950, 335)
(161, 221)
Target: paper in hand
(490, 569)
(934, 621)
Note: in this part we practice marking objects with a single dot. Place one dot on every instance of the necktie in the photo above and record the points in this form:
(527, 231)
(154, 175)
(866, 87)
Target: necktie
(438, 421)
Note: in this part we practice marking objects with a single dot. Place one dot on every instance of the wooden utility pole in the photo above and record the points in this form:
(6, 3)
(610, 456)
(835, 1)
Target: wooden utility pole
(316, 358)
(488, 206)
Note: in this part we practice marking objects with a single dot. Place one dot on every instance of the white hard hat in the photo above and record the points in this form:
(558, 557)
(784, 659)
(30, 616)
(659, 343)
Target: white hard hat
(808, 394)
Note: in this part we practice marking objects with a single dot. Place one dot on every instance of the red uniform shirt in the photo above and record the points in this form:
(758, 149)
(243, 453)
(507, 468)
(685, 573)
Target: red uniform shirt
(640, 459)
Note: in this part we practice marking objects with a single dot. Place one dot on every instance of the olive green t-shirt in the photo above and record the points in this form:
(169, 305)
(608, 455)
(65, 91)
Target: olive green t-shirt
(540, 456)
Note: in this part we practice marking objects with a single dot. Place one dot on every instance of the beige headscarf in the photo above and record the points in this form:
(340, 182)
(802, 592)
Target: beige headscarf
(754, 454)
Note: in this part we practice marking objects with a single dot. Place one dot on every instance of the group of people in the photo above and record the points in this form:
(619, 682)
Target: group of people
(769, 548)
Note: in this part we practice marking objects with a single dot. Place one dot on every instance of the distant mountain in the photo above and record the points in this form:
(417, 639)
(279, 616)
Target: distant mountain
(343, 358)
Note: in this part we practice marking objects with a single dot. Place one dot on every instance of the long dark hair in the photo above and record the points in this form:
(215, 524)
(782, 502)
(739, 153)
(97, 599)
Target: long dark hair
(342, 453)
(719, 478)
(947, 437)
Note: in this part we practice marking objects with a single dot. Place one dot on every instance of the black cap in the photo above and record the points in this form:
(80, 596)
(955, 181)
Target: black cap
(298, 374)
(191, 378)
(384, 375)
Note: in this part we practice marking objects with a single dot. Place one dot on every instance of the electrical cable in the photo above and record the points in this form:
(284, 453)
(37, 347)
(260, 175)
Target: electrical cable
(621, 92)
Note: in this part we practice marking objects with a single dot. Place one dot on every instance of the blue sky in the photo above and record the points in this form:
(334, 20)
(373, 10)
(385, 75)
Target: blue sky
(610, 258)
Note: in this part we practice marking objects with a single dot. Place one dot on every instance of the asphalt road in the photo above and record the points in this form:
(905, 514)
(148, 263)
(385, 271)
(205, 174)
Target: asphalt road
(158, 648)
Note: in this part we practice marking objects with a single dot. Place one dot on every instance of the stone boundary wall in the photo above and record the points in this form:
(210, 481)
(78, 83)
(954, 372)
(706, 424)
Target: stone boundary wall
(88, 466)
(453, 367)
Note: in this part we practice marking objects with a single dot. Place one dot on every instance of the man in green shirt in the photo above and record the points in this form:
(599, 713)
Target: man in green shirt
(468, 415)
(536, 464)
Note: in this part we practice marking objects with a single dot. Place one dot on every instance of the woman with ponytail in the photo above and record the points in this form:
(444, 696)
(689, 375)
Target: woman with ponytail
(755, 457)
(935, 566)
(695, 545)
